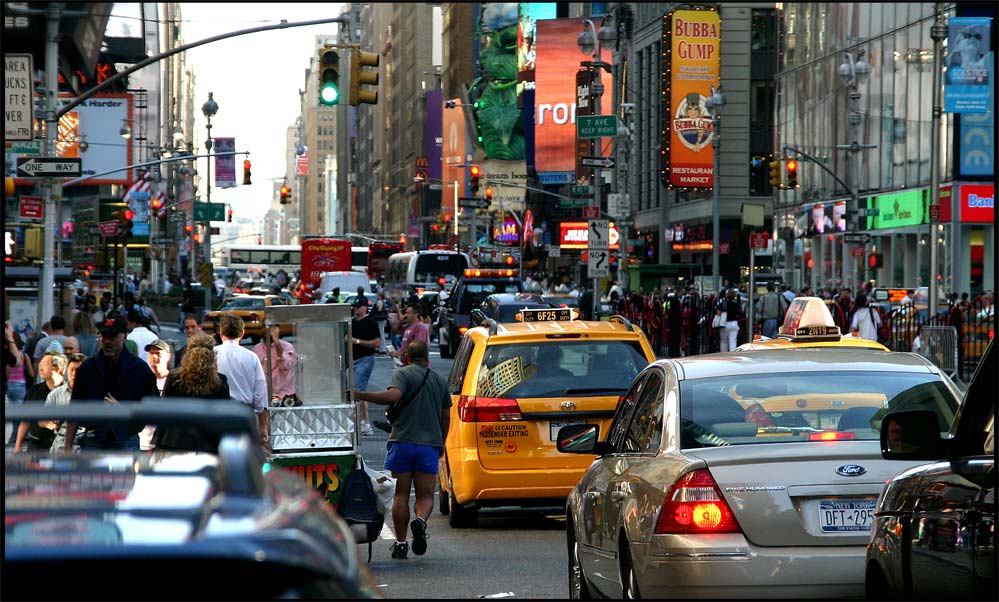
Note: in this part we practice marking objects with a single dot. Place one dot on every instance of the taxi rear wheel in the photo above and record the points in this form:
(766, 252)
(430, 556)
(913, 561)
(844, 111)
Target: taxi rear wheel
(461, 517)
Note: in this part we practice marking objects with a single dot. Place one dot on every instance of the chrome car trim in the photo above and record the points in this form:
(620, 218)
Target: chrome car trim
(851, 470)
(568, 406)
(703, 556)
(754, 489)
(598, 551)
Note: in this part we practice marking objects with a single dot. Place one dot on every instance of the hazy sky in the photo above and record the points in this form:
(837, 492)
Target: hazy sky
(255, 80)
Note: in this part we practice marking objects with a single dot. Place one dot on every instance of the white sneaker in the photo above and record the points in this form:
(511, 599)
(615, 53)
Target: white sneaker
(366, 429)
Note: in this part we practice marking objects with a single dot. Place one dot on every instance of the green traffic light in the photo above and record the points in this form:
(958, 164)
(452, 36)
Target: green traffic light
(329, 94)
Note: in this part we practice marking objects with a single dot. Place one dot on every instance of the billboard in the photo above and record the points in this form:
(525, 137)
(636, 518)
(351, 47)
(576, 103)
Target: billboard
(898, 209)
(225, 165)
(454, 153)
(98, 121)
(967, 86)
(557, 60)
(691, 40)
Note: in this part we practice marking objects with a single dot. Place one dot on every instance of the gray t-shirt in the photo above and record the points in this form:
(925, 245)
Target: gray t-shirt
(420, 421)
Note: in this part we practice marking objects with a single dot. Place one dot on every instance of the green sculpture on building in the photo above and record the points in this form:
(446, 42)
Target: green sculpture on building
(499, 123)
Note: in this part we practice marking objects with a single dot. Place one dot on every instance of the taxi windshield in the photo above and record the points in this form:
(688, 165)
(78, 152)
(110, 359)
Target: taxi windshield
(551, 368)
(810, 406)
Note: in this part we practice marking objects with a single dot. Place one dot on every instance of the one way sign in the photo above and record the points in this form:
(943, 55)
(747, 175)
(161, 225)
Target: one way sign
(41, 167)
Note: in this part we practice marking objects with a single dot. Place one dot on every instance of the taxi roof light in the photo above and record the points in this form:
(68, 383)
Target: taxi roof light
(808, 318)
(489, 272)
(555, 314)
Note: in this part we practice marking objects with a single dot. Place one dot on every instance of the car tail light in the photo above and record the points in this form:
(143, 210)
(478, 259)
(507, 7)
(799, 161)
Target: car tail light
(462, 330)
(831, 436)
(695, 505)
(488, 409)
(254, 317)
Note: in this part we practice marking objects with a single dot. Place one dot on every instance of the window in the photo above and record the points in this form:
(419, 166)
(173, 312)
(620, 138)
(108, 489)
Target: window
(645, 432)
(460, 366)
(559, 367)
(791, 407)
(619, 427)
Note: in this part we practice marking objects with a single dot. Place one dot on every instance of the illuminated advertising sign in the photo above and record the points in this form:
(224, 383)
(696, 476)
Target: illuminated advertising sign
(967, 85)
(978, 203)
(691, 39)
(898, 209)
(557, 60)
(574, 235)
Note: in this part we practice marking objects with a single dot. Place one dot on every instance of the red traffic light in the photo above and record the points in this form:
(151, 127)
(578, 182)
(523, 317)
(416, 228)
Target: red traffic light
(188, 227)
(246, 164)
(129, 214)
(475, 170)
(792, 165)
(285, 190)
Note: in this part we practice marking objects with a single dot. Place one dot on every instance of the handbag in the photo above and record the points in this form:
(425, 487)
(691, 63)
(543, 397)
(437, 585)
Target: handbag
(719, 320)
(393, 411)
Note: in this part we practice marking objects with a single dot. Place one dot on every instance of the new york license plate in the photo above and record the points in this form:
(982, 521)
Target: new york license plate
(845, 516)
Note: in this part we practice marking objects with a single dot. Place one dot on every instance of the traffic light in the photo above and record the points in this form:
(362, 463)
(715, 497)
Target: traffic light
(475, 171)
(489, 193)
(246, 173)
(875, 261)
(329, 77)
(285, 195)
(230, 215)
(359, 76)
(792, 173)
(124, 219)
(156, 203)
(775, 173)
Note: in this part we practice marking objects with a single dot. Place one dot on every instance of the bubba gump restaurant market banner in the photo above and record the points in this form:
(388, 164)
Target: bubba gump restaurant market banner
(691, 42)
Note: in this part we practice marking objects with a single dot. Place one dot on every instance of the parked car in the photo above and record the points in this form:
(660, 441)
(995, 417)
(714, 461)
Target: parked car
(216, 526)
(934, 529)
(742, 475)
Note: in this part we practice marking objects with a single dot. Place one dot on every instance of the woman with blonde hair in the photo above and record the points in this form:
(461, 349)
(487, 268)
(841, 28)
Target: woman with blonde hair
(85, 332)
(197, 377)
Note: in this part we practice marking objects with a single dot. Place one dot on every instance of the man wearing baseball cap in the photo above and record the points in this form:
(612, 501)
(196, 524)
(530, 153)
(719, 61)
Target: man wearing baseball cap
(112, 375)
(365, 345)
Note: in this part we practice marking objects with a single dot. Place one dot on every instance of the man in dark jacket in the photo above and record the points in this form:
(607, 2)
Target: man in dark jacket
(113, 375)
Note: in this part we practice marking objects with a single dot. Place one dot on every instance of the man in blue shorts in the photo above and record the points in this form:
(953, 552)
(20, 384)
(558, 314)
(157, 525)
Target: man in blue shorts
(416, 442)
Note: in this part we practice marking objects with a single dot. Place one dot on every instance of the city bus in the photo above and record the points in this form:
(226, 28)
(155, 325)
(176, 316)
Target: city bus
(424, 270)
(379, 252)
(257, 260)
(321, 254)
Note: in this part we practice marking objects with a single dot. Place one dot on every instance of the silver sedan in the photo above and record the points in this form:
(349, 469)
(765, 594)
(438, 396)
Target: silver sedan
(742, 475)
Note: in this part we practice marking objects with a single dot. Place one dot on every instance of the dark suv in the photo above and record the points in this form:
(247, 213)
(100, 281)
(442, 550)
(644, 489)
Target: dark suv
(468, 293)
(933, 536)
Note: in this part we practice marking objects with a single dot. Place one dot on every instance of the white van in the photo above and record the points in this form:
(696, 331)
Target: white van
(347, 282)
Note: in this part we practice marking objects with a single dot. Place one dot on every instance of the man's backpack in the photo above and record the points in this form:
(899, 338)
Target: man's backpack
(358, 506)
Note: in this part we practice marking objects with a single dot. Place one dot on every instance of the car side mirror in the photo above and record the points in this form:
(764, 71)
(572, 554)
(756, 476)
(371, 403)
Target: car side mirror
(477, 316)
(911, 435)
(581, 439)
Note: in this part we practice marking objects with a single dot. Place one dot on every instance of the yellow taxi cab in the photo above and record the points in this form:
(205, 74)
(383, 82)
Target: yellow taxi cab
(808, 323)
(252, 308)
(513, 386)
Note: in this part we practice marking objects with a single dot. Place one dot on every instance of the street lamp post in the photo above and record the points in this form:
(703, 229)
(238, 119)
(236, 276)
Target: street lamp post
(209, 109)
(714, 104)
(591, 44)
(853, 73)
(938, 33)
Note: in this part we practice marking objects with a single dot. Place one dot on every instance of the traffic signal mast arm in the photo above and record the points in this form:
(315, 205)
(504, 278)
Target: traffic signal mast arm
(853, 193)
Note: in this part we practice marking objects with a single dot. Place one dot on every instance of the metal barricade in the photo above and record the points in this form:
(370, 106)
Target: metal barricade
(939, 345)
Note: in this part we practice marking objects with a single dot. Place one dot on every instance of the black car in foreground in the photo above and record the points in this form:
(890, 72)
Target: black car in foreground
(170, 524)
(934, 534)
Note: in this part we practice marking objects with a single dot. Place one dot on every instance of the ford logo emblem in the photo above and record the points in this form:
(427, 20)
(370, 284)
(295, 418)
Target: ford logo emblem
(568, 406)
(851, 470)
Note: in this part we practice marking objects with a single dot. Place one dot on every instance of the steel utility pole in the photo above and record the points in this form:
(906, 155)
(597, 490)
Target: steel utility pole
(938, 32)
(51, 188)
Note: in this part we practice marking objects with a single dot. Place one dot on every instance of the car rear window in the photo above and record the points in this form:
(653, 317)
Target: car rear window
(559, 367)
(809, 406)
(244, 303)
(474, 293)
(508, 313)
